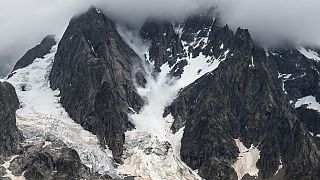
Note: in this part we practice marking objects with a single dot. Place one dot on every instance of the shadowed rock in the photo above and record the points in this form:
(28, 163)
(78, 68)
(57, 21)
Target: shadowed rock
(95, 71)
(10, 135)
(49, 161)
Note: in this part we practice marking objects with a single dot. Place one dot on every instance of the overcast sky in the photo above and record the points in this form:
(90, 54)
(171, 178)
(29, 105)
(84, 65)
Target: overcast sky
(23, 23)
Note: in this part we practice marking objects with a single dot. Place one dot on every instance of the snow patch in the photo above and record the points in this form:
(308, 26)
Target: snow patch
(198, 67)
(309, 101)
(221, 47)
(247, 160)
(280, 167)
(252, 63)
(314, 135)
(284, 78)
(308, 53)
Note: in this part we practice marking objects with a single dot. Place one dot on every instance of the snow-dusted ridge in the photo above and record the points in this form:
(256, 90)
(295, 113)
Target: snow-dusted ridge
(308, 53)
(41, 116)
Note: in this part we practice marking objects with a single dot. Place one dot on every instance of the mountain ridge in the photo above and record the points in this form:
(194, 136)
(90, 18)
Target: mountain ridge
(225, 107)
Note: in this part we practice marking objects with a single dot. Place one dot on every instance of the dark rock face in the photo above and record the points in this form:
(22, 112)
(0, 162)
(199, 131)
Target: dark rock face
(242, 98)
(53, 161)
(304, 73)
(95, 70)
(37, 52)
(300, 76)
(198, 34)
(165, 45)
(10, 135)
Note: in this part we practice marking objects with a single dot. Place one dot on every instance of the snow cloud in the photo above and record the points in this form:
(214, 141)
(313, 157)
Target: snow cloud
(24, 23)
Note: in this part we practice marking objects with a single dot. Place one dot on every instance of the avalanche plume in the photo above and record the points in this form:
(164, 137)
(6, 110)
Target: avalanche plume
(152, 151)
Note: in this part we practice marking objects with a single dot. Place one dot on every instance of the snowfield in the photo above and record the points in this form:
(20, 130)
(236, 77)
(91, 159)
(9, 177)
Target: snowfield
(41, 116)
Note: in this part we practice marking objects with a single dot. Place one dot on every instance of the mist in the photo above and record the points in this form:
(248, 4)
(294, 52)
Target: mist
(23, 24)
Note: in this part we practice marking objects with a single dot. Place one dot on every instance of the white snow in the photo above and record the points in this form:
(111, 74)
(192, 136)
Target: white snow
(314, 135)
(284, 78)
(246, 162)
(252, 63)
(308, 53)
(41, 116)
(98, 11)
(221, 47)
(198, 67)
(150, 119)
(280, 167)
(309, 101)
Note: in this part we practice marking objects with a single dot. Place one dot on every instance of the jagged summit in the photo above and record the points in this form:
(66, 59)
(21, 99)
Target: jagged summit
(187, 100)
(94, 69)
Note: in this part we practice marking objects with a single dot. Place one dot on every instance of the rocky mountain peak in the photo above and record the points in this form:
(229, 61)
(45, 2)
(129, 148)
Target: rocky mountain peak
(38, 51)
(205, 102)
(95, 71)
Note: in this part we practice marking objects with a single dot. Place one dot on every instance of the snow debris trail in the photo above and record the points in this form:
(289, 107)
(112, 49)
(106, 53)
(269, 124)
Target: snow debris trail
(152, 151)
(41, 116)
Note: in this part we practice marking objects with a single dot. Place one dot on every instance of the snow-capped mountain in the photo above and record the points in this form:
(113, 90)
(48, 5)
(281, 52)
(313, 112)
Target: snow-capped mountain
(173, 100)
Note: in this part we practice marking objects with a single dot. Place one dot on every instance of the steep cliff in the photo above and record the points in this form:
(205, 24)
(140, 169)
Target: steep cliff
(95, 72)
(10, 135)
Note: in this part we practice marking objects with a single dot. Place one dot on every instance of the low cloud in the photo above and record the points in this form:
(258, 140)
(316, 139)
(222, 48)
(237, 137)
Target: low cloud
(271, 20)
(24, 23)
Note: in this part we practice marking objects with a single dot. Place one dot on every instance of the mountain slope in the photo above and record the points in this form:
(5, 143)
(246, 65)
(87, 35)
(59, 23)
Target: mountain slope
(95, 72)
(242, 98)
(195, 101)
(41, 116)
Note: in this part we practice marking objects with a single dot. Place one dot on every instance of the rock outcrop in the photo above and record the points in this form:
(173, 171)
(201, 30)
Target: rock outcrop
(10, 135)
(95, 71)
(49, 160)
(37, 52)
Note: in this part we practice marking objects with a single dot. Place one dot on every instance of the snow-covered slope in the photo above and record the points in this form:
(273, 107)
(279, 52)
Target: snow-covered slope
(42, 117)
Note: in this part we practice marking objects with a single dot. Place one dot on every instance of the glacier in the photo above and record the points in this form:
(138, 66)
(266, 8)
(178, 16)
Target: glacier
(41, 116)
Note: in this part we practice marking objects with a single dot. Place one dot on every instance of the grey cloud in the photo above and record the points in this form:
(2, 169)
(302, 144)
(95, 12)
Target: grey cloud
(24, 23)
